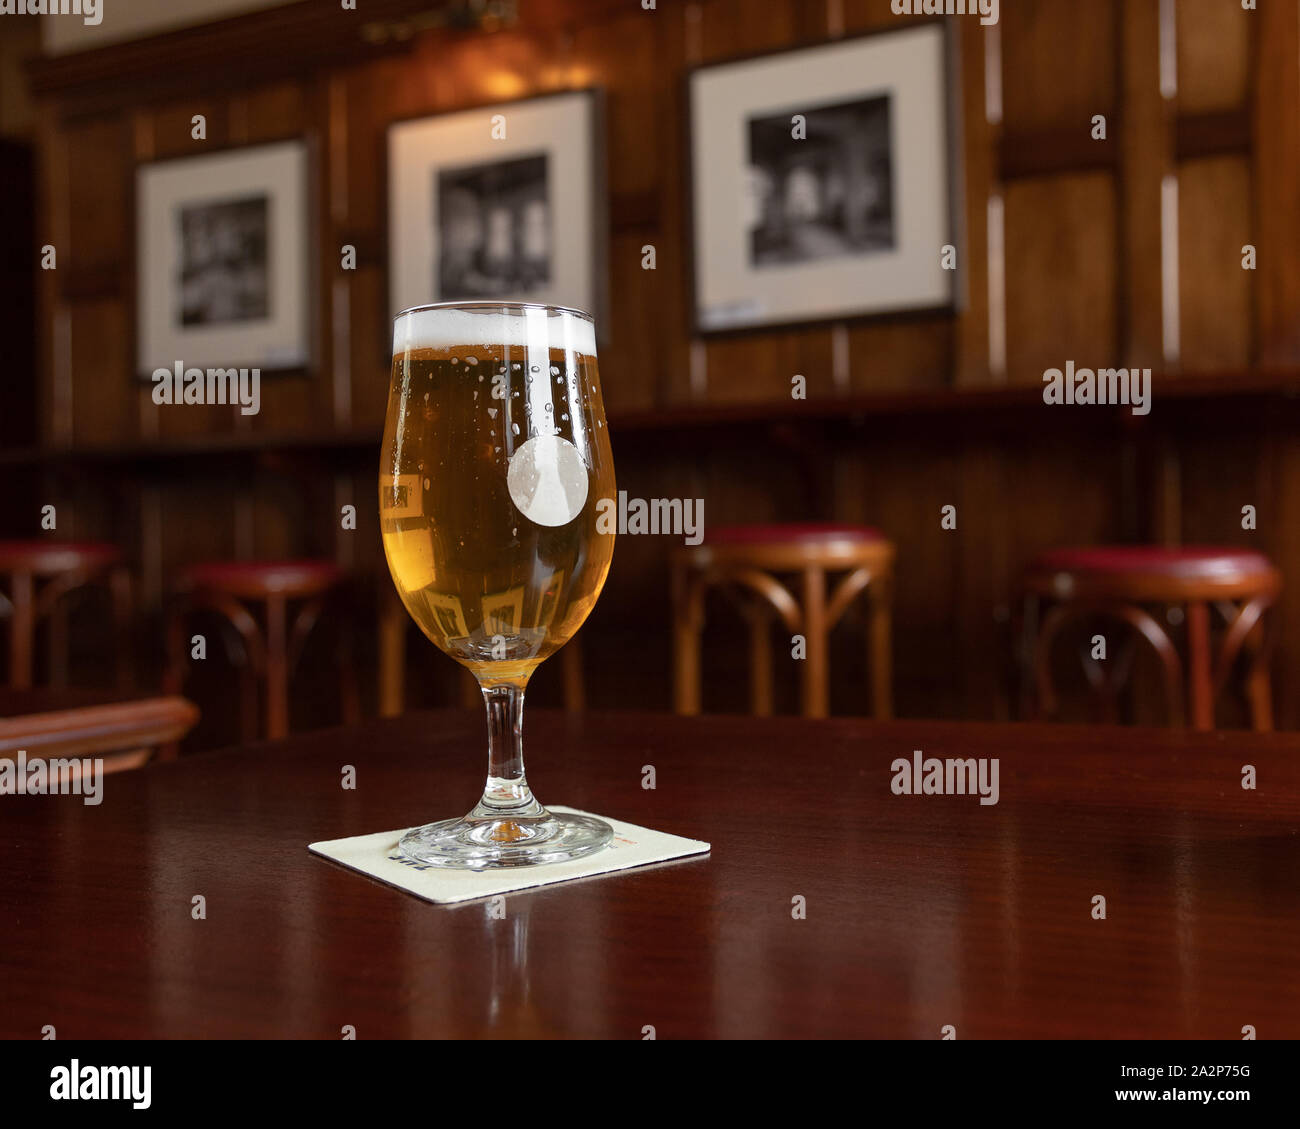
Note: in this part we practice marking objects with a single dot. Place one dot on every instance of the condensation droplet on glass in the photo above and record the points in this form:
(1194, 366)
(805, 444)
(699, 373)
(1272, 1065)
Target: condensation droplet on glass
(534, 368)
(516, 366)
(549, 408)
(496, 450)
(565, 415)
(492, 412)
(516, 427)
(476, 393)
(426, 484)
(455, 361)
(515, 532)
(555, 370)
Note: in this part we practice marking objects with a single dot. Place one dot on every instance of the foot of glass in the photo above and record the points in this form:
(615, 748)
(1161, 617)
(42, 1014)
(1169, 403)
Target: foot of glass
(487, 840)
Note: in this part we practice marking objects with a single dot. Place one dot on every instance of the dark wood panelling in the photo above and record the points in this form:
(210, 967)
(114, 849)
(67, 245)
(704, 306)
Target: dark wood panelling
(1277, 186)
(1213, 53)
(1058, 65)
(1061, 274)
(748, 368)
(729, 27)
(1214, 290)
(914, 354)
(1144, 162)
(371, 340)
(971, 359)
(276, 112)
(102, 402)
(1082, 271)
(629, 367)
(99, 195)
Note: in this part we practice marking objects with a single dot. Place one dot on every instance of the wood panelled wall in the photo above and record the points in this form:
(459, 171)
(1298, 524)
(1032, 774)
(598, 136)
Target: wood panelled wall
(1062, 254)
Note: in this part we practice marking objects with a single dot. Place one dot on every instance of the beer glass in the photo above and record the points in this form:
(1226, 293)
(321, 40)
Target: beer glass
(495, 456)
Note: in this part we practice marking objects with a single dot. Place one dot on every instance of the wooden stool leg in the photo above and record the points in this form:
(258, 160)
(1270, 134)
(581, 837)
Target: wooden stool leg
(880, 595)
(22, 630)
(1259, 690)
(688, 599)
(760, 660)
(1200, 678)
(119, 586)
(575, 697)
(174, 670)
(392, 655)
(348, 689)
(250, 723)
(58, 656)
(1259, 684)
(277, 674)
(816, 669)
(1028, 635)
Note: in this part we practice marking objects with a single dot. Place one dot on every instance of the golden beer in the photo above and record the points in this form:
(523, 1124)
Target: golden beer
(495, 456)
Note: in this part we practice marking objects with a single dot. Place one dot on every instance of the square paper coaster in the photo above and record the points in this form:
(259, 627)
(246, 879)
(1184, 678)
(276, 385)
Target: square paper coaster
(377, 856)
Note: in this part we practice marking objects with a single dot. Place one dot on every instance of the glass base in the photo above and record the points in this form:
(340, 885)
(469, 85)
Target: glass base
(487, 841)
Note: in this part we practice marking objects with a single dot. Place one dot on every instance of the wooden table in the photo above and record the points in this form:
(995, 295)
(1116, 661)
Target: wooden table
(922, 911)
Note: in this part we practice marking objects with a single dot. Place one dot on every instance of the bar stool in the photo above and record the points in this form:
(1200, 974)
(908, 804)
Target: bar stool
(749, 558)
(1114, 582)
(39, 574)
(270, 653)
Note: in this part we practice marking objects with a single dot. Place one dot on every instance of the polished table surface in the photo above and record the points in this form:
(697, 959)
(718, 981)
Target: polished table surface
(921, 911)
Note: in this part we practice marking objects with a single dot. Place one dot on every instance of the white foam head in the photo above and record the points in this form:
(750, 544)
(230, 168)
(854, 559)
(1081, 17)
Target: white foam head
(526, 327)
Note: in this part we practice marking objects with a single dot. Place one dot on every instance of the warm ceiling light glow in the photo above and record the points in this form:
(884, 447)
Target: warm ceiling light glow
(503, 84)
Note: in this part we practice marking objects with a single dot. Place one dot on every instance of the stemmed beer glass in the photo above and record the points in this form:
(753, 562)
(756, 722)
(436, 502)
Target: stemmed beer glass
(495, 456)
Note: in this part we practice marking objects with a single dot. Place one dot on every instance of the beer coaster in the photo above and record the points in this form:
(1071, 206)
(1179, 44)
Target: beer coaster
(377, 856)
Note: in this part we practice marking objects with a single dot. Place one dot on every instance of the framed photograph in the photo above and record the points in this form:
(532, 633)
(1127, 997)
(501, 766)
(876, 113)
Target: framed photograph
(223, 260)
(505, 201)
(821, 182)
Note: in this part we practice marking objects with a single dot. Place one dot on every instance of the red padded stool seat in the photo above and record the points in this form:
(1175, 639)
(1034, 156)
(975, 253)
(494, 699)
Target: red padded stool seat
(63, 566)
(1115, 581)
(1206, 564)
(258, 579)
(45, 558)
(749, 559)
(269, 652)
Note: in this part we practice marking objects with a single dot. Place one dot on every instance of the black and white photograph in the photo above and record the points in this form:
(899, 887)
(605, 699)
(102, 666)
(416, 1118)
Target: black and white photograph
(224, 261)
(825, 192)
(502, 201)
(821, 183)
(224, 266)
(494, 227)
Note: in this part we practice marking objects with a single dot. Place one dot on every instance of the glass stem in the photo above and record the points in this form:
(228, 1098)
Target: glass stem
(507, 792)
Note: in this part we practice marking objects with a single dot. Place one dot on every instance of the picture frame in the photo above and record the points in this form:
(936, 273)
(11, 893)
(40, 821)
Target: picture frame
(224, 261)
(823, 183)
(477, 215)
